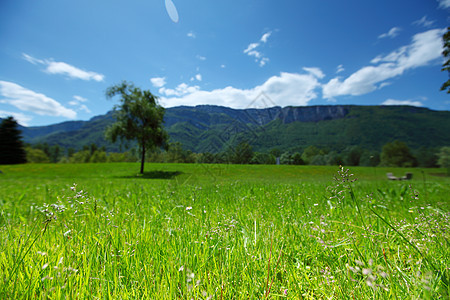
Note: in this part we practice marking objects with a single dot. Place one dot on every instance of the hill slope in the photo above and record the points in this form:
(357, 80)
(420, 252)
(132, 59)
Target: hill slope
(209, 128)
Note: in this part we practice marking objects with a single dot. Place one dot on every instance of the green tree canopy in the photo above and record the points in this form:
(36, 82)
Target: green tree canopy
(36, 156)
(241, 154)
(138, 118)
(11, 146)
(444, 158)
(397, 154)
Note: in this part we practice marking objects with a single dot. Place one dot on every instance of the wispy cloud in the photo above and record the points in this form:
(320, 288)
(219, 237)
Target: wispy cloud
(444, 3)
(425, 48)
(315, 71)
(402, 102)
(28, 100)
(199, 57)
(423, 22)
(284, 89)
(62, 68)
(251, 49)
(340, 69)
(78, 103)
(191, 34)
(158, 81)
(21, 118)
(392, 33)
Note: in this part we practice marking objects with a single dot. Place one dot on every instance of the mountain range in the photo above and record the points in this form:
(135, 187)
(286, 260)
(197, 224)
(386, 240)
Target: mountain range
(207, 128)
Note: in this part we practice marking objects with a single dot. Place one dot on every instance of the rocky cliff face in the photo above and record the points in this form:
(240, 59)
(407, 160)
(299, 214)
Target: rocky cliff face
(313, 113)
(208, 114)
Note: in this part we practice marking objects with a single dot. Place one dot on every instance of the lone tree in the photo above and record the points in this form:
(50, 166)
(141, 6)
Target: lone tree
(446, 65)
(11, 146)
(138, 118)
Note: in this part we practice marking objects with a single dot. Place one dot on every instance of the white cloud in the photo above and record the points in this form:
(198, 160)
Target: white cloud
(62, 68)
(32, 60)
(199, 57)
(181, 90)
(424, 22)
(285, 89)
(78, 100)
(251, 47)
(84, 108)
(340, 69)
(392, 33)
(198, 77)
(402, 102)
(444, 3)
(28, 100)
(251, 50)
(223, 66)
(191, 34)
(158, 81)
(263, 61)
(265, 36)
(315, 71)
(423, 50)
(21, 118)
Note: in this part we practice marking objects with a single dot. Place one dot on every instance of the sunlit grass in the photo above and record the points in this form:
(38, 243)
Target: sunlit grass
(221, 232)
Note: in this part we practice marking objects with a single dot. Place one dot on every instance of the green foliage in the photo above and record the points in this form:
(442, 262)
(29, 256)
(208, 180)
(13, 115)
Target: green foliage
(36, 156)
(309, 153)
(80, 157)
(263, 159)
(138, 118)
(446, 65)
(11, 146)
(397, 154)
(444, 158)
(54, 153)
(352, 155)
(369, 159)
(242, 153)
(297, 159)
(120, 157)
(98, 157)
(426, 157)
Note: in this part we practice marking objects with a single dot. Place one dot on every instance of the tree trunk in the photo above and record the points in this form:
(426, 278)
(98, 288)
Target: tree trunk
(143, 159)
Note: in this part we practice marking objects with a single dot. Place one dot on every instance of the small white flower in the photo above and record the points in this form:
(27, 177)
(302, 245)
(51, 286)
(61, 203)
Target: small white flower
(188, 207)
(181, 269)
(367, 271)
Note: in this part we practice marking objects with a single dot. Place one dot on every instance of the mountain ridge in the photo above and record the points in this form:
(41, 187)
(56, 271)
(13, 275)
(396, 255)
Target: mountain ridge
(210, 128)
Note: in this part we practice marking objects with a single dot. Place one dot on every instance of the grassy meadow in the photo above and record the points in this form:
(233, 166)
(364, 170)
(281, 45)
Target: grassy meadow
(196, 231)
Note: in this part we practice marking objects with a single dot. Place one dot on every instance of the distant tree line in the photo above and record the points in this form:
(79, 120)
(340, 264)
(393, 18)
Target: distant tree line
(393, 154)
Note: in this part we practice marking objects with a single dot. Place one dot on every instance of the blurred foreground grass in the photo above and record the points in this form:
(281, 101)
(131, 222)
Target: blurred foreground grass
(222, 232)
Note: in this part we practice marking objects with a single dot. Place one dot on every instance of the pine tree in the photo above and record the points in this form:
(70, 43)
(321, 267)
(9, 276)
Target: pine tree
(11, 145)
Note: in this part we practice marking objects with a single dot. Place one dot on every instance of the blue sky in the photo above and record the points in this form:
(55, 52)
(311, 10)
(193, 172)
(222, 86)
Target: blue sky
(58, 57)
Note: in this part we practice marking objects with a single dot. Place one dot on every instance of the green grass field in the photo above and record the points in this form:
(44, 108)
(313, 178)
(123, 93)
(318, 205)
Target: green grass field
(192, 231)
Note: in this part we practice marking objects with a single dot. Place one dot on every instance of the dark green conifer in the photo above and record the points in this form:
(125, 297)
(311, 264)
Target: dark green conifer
(11, 145)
